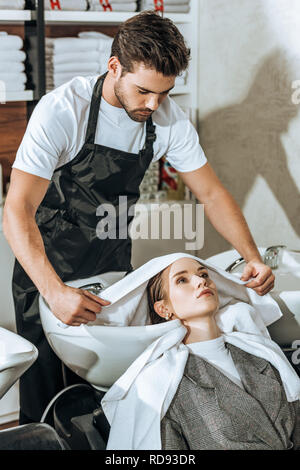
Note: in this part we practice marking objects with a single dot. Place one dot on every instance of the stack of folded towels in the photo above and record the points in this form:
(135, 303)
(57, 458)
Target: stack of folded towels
(112, 5)
(169, 6)
(12, 4)
(84, 55)
(181, 79)
(71, 5)
(12, 68)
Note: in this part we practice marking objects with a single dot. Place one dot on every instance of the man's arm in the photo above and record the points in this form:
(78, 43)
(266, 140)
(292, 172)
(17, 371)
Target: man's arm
(227, 218)
(26, 191)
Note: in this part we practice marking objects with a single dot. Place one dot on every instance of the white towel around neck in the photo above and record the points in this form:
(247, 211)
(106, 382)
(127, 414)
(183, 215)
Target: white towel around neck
(136, 403)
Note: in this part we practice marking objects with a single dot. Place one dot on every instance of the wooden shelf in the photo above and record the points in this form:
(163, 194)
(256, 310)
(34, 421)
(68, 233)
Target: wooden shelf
(15, 16)
(59, 17)
(26, 95)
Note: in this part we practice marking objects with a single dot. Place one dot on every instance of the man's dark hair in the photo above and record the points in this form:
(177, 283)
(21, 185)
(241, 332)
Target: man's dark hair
(152, 40)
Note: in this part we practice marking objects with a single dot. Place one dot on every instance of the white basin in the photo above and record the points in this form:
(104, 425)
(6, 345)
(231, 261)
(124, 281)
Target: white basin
(286, 292)
(16, 356)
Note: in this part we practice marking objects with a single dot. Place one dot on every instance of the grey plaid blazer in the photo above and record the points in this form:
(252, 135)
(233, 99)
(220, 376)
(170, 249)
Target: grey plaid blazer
(211, 412)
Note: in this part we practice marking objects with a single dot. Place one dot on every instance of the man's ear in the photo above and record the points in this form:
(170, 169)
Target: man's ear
(114, 67)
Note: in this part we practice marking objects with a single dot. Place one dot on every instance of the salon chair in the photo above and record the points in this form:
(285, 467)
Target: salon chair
(16, 356)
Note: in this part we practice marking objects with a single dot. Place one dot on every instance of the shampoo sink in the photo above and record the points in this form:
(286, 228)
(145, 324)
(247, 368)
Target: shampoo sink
(286, 291)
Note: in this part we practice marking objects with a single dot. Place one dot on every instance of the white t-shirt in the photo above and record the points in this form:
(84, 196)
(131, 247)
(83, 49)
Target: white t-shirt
(215, 352)
(57, 127)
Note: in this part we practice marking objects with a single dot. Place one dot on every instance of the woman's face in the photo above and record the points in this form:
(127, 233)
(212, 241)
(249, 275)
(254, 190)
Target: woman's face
(190, 291)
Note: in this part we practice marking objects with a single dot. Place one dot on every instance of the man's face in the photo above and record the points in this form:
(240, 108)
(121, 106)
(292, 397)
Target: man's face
(140, 93)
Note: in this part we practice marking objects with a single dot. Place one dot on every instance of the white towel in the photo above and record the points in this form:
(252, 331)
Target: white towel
(12, 4)
(75, 67)
(18, 77)
(181, 7)
(69, 45)
(13, 85)
(135, 404)
(153, 3)
(97, 6)
(12, 56)
(11, 66)
(10, 42)
(61, 78)
(70, 57)
(180, 81)
(74, 5)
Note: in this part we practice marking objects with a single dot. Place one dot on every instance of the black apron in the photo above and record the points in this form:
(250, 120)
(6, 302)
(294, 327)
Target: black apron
(67, 219)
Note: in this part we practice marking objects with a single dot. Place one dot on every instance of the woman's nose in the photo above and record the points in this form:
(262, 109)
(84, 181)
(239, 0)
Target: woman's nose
(199, 281)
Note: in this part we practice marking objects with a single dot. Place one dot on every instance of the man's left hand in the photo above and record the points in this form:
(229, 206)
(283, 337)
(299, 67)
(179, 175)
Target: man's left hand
(263, 276)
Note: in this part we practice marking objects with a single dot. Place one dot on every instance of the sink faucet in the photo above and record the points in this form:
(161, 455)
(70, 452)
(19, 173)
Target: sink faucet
(271, 256)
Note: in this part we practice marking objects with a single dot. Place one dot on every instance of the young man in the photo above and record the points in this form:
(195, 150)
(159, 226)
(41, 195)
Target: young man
(87, 143)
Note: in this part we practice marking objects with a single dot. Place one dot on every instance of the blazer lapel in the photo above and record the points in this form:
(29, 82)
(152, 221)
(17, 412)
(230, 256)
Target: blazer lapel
(242, 407)
(259, 380)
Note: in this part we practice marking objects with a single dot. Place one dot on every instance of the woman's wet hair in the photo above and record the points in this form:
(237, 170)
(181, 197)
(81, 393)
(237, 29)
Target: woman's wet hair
(155, 292)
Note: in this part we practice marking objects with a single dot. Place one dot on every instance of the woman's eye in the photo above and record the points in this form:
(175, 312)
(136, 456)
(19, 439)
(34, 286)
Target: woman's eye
(204, 275)
(180, 279)
(143, 92)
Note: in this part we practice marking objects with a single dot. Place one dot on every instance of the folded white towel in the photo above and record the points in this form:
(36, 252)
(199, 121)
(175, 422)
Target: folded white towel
(12, 56)
(95, 34)
(12, 86)
(97, 6)
(180, 81)
(70, 57)
(153, 3)
(18, 77)
(59, 79)
(10, 42)
(163, 6)
(75, 67)
(137, 402)
(74, 5)
(11, 66)
(69, 45)
(12, 4)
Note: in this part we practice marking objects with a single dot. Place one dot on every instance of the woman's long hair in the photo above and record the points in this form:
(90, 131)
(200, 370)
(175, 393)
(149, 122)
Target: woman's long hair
(155, 292)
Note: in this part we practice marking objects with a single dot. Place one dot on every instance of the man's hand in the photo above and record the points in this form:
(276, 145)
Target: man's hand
(264, 277)
(75, 306)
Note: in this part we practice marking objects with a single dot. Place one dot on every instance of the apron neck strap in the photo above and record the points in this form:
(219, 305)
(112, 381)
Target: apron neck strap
(94, 110)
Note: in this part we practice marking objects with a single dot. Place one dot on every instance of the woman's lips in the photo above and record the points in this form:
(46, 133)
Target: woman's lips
(205, 292)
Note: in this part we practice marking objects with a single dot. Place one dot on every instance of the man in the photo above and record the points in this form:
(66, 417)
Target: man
(88, 142)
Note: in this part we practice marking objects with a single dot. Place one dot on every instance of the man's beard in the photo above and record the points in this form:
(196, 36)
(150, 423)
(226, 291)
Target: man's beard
(133, 114)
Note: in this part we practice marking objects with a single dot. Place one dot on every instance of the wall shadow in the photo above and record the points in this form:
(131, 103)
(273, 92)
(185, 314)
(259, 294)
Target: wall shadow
(243, 141)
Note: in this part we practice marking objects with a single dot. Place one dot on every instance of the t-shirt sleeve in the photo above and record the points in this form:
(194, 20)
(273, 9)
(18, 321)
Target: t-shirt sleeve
(184, 151)
(46, 139)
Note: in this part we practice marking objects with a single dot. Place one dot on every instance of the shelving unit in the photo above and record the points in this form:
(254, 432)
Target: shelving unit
(35, 21)
(66, 17)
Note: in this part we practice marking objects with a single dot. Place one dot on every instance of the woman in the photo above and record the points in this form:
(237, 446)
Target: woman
(227, 398)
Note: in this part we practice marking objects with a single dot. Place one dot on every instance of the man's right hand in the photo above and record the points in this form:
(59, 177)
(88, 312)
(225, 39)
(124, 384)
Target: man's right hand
(75, 306)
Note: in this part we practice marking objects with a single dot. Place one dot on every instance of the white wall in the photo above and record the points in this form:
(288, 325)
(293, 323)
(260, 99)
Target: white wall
(249, 57)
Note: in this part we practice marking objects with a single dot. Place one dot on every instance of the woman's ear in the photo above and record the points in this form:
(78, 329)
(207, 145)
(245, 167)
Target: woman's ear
(160, 308)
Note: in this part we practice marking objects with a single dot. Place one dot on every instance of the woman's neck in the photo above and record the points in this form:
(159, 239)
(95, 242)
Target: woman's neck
(201, 330)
